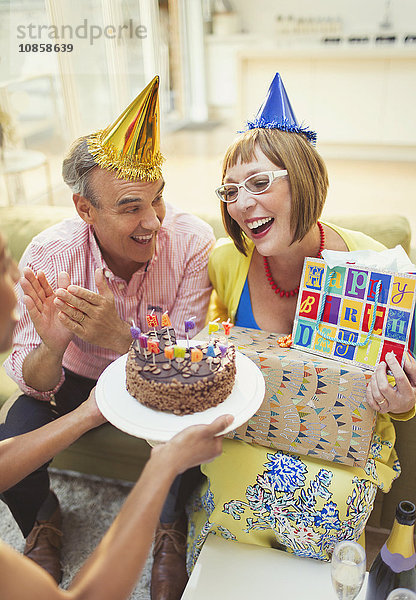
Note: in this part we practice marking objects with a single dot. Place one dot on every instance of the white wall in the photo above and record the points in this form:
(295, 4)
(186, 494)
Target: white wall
(357, 15)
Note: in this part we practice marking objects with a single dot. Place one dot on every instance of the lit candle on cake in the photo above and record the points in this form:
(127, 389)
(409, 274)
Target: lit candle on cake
(189, 324)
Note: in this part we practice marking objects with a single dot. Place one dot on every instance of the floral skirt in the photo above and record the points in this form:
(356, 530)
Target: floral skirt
(271, 498)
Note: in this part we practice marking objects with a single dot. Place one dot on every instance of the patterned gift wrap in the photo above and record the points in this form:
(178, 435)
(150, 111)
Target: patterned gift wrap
(312, 406)
(335, 315)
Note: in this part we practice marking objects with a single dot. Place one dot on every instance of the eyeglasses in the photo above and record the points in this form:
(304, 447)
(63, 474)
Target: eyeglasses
(255, 184)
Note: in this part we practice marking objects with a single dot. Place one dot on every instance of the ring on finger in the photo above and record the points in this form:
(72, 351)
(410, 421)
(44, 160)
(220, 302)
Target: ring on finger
(382, 402)
(82, 318)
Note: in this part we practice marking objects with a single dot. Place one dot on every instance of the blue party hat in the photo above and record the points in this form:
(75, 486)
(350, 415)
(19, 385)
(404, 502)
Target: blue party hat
(276, 112)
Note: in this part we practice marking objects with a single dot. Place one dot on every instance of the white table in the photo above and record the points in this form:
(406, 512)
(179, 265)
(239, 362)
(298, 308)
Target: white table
(232, 571)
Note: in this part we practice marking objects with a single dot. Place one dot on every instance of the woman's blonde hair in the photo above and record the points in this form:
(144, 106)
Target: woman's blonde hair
(307, 174)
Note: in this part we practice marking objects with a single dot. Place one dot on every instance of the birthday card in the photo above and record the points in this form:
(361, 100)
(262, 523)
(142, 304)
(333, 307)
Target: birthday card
(353, 313)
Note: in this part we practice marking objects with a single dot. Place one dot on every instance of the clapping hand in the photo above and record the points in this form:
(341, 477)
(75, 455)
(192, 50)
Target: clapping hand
(39, 300)
(93, 317)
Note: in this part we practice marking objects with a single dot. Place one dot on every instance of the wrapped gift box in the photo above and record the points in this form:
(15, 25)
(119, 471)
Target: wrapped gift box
(312, 405)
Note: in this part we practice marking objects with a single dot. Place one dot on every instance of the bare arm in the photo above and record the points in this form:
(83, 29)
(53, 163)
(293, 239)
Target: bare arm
(22, 454)
(112, 570)
(42, 369)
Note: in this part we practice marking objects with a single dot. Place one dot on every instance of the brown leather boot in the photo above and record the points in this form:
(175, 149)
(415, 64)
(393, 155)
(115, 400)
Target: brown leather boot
(169, 576)
(44, 542)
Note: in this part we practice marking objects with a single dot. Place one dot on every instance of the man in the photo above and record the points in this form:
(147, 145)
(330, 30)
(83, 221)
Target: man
(86, 279)
(112, 570)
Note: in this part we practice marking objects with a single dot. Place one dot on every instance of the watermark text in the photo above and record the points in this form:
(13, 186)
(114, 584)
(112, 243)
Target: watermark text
(83, 31)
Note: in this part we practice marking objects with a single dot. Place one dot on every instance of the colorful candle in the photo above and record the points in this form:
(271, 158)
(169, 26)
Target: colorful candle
(143, 342)
(213, 326)
(189, 324)
(135, 331)
(153, 346)
(211, 351)
(223, 349)
(166, 323)
(166, 320)
(196, 355)
(227, 326)
(152, 320)
(169, 353)
(179, 351)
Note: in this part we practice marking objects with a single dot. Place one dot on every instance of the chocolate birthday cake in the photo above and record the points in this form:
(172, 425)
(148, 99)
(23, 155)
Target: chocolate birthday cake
(180, 384)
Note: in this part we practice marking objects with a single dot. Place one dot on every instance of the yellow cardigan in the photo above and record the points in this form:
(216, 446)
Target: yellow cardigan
(228, 270)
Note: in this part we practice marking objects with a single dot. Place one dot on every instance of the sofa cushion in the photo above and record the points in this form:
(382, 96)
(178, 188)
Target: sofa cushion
(106, 452)
(390, 230)
(21, 223)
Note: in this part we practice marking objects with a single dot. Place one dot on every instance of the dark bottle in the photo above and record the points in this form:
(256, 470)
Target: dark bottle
(395, 564)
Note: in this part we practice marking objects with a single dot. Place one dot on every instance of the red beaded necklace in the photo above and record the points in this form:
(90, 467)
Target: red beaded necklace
(275, 287)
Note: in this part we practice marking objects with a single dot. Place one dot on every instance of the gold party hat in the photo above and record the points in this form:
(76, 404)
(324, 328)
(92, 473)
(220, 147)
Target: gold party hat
(131, 145)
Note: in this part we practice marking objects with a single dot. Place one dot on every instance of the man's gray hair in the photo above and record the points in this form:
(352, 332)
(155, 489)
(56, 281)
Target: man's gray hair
(76, 169)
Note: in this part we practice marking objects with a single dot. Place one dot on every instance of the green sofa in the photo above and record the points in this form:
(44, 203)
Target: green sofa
(106, 451)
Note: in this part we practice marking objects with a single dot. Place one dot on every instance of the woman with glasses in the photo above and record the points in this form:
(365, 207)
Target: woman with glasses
(274, 185)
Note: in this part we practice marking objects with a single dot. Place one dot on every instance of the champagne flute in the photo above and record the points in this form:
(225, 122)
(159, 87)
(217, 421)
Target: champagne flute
(401, 594)
(348, 567)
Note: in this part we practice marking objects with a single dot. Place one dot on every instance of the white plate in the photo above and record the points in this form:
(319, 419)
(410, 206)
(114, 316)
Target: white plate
(129, 415)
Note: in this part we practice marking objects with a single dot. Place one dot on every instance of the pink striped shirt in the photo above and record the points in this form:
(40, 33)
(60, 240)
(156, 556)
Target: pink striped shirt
(176, 280)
